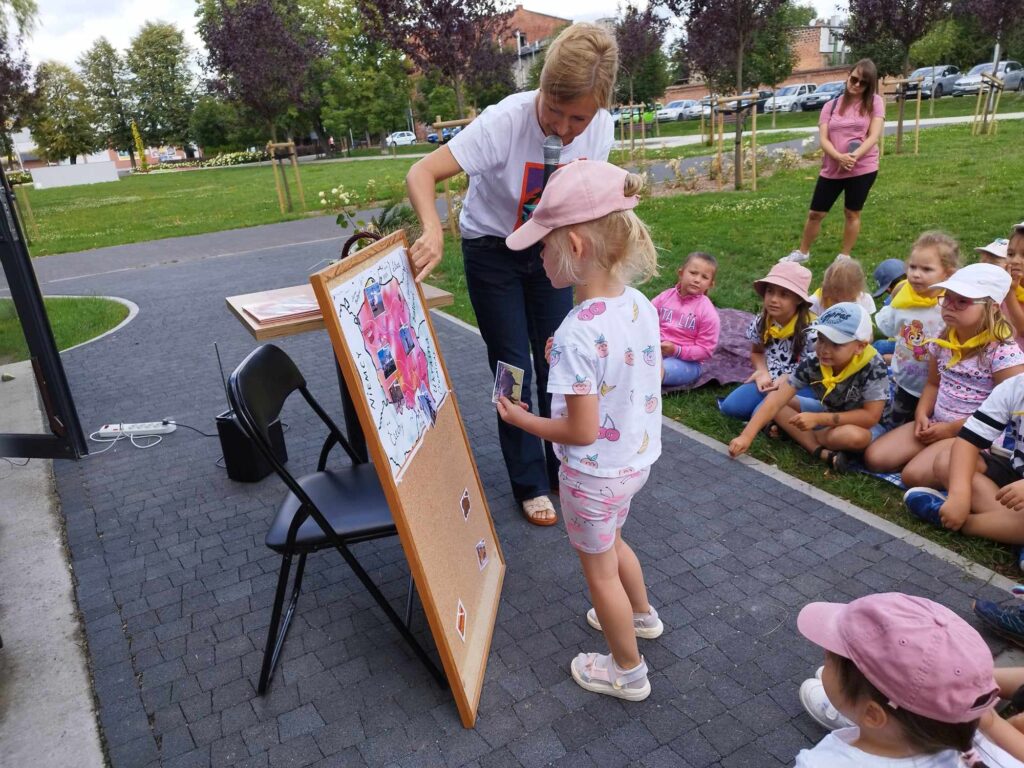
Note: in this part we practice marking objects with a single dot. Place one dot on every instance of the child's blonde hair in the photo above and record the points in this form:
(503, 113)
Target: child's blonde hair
(945, 245)
(619, 242)
(583, 60)
(843, 281)
(995, 322)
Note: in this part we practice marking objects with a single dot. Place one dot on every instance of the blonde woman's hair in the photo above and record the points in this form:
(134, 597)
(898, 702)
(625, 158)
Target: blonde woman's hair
(618, 242)
(583, 60)
(944, 244)
(843, 281)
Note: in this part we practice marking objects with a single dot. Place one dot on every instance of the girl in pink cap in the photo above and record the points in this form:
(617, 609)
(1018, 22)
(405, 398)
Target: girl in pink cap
(605, 383)
(780, 338)
(911, 684)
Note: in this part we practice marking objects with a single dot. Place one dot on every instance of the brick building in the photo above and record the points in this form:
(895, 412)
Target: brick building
(529, 33)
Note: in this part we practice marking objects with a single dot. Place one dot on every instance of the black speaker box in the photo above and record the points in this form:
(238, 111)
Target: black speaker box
(242, 458)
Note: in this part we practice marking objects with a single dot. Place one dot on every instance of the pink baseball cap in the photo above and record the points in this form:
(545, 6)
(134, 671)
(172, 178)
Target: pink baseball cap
(583, 190)
(788, 275)
(919, 654)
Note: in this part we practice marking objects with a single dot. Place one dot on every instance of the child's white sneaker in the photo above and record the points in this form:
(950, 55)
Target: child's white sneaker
(646, 625)
(796, 255)
(814, 700)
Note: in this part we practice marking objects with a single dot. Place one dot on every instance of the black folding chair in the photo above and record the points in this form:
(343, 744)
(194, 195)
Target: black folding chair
(328, 508)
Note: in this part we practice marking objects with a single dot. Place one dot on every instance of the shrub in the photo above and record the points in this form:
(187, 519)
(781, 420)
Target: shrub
(19, 177)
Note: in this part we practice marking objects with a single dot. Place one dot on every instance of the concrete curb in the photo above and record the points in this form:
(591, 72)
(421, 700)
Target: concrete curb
(133, 310)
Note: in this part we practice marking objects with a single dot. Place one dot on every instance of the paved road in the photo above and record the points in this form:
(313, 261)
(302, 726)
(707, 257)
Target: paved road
(175, 585)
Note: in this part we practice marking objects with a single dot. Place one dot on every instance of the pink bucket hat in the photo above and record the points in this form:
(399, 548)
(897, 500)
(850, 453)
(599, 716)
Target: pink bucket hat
(581, 191)
(919, 654)
(789, 275)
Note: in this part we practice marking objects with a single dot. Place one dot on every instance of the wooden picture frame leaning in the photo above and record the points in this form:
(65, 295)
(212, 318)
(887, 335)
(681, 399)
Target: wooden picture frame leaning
(387, 350)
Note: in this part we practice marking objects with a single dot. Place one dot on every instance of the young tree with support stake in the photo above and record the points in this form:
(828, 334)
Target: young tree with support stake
(996, 18)
(724, 31)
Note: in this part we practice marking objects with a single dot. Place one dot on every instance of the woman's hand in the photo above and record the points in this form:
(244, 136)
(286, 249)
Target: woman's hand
(847, 161)
(426, 252)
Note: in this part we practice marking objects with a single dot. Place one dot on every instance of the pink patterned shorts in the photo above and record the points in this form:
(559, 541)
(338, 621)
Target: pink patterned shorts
(595, 507)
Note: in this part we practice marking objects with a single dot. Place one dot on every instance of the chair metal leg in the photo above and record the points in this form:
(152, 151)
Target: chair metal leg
(278, 629)
(402, 628)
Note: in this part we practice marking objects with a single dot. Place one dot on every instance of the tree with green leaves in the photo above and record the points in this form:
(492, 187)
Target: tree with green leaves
(62, 118)
(884, 30)
(367, 90)
(772, 56)
(21, 12)
(162, 84)
(106, 78)
(434, 99)
(643, 70)
(15, 74)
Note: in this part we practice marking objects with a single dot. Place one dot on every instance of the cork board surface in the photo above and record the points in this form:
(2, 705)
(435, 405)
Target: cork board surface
(393, 369)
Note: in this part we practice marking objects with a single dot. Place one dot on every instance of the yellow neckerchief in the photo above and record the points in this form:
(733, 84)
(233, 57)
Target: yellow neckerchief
(905, 297)
(776, 331)
(1019, 293)
(953, 343)
(829, 380)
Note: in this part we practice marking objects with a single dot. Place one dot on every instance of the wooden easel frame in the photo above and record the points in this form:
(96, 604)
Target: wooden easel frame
(415, 527)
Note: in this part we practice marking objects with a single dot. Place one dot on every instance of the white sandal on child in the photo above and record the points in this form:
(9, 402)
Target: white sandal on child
(593, 671)
(646, 625)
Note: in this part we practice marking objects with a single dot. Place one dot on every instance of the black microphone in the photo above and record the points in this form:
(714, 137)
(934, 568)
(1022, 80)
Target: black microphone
(552, 154)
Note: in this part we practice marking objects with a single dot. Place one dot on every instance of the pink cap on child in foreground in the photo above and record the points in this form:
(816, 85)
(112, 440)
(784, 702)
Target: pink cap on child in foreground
(581, 191)
(919, 654)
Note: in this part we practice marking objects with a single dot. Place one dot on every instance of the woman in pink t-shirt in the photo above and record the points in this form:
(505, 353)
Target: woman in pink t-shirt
(850, 128)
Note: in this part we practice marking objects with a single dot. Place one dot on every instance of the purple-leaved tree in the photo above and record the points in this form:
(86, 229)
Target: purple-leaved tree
(443, 37)
(260, 53)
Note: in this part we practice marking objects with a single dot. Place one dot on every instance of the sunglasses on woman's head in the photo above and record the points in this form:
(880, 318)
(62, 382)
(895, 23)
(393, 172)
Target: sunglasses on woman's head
(854, 80)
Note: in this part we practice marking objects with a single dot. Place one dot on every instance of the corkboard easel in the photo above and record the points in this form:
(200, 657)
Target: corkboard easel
(441, 531)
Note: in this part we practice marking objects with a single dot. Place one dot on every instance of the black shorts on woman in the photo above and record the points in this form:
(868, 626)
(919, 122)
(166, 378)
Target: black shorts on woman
(854, 188)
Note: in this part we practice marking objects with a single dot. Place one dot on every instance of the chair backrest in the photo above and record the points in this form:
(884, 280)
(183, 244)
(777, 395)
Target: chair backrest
(260, 385)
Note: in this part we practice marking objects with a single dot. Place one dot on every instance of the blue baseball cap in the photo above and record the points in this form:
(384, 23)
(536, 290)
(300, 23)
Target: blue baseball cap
(887, 272)
(844, 322)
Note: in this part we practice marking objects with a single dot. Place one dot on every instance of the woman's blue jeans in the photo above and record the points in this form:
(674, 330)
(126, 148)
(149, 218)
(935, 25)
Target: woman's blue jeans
(517, 310)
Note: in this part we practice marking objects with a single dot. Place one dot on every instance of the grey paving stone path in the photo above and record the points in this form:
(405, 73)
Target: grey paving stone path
(175, 584)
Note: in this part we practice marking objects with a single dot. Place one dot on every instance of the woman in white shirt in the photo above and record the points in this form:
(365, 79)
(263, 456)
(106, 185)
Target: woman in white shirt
(516, 307)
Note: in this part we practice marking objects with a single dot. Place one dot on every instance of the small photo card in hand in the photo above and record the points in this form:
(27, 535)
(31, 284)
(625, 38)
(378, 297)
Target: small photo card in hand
(508, 382)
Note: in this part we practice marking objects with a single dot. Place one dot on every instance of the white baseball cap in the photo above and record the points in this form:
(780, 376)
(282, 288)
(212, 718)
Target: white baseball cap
(1019, 228)
(979, 281)
(996, 248)
(844, 322)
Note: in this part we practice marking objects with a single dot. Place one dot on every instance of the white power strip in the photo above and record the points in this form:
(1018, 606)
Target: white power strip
(109, 431)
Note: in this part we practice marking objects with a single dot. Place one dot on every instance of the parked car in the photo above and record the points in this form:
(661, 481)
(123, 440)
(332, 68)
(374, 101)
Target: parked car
(400, 139)
(1009, 72)
(683, 109)
(633, 115)
(823, 94)
(757, 98)
(445, 135)
(937, 81)
(789, 98)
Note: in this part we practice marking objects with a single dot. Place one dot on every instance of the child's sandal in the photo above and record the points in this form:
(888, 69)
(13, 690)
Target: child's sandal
(837, 461)
(771, 431)
(596, 672)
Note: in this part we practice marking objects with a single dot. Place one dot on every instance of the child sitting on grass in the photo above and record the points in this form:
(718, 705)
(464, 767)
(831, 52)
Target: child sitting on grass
(850, 381)
(781, 336)
(1013, 307)
(912, 317)
(688, 321)
(843, 281)
(973, 354)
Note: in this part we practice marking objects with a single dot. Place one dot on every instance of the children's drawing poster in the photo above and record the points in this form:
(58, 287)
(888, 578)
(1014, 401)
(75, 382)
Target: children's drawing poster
(385, 327)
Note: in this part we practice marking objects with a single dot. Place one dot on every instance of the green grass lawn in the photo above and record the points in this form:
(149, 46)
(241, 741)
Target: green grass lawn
(73, 321)
(958, 183)
(139, 208)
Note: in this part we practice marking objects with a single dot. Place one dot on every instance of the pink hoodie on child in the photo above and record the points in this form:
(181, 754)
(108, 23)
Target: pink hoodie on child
(690, 323)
